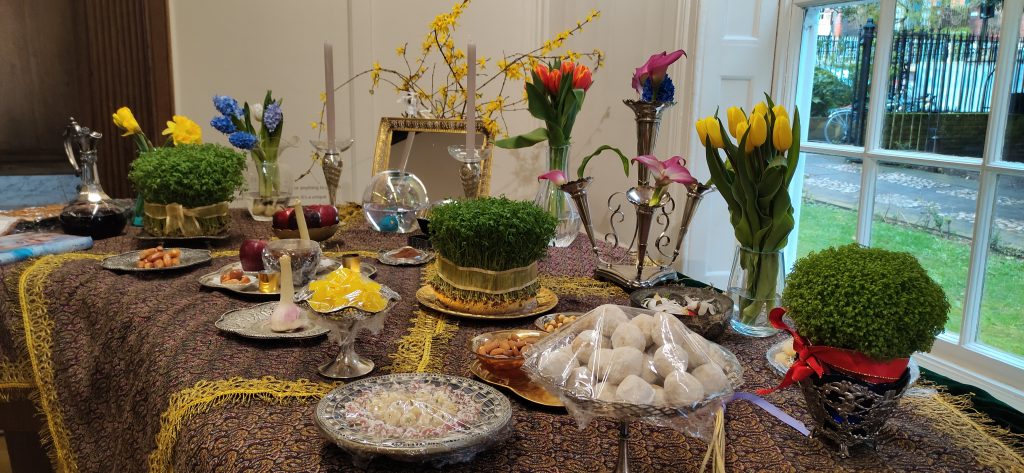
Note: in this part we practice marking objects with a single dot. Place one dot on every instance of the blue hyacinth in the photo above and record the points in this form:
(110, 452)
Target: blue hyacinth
(227, 106)
(666, 93)
(272, 116)
(223, 124)
(242, 140)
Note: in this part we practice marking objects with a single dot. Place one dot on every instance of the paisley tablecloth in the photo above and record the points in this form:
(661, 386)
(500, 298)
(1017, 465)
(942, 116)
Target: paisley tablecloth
(131, 375)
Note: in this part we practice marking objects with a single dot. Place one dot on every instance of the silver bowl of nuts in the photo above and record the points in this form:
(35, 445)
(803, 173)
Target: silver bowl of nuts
(551, 322)
(704, 310)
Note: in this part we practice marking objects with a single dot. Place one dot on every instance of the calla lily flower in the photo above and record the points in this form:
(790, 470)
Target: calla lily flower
(664, 173)
(655, 68)
(556, 177)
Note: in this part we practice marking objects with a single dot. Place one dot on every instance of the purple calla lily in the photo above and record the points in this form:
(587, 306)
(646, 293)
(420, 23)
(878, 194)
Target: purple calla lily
(665, 172)
(655, 68)
(556, 177)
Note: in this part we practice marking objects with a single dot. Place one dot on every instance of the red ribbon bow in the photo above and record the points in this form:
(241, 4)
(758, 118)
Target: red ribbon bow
(811, 359)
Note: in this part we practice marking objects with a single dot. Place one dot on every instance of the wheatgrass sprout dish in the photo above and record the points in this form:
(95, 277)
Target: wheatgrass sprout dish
(487, 252)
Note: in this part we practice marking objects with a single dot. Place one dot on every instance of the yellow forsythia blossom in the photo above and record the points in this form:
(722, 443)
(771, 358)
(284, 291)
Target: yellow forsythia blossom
(183, 130)
(124, 120)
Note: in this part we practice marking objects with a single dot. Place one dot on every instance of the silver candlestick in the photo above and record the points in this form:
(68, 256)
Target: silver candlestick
(469, 172)
(332, 164)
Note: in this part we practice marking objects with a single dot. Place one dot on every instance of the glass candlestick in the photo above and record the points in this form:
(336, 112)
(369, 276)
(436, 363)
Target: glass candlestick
(469, 173)
(331, 164)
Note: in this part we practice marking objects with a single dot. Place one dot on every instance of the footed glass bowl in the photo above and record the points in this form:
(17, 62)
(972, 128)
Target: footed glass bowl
(305, 256)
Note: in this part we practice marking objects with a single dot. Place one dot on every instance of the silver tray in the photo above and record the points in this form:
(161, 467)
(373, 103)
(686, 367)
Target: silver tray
(544, 319)
(483, 419)
(387, 258)
(126, 261)
(212, 280)
(254, 322)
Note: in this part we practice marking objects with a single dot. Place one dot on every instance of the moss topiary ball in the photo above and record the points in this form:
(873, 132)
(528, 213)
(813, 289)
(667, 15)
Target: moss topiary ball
(878, 302)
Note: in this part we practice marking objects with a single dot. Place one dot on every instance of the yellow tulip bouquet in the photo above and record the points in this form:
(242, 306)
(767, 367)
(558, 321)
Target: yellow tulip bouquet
(754, 180)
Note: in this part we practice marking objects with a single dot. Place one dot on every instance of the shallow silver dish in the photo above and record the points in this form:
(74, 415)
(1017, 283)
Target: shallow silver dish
(387, 257)
(254, 322)
(482, 419)
(544, 319)
(126, 261)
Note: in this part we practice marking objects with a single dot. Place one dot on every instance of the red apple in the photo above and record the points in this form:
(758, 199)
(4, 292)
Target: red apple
(281, 218)
(328, 214)
(251, 254)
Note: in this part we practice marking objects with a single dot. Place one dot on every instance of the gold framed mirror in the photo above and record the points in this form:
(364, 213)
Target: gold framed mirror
(423, 143)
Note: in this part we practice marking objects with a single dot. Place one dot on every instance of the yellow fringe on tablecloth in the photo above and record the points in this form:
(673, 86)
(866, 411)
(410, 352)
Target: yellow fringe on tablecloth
(420, 350)
(206, 395)
(15, 376)
(39, 343)
(992, 445)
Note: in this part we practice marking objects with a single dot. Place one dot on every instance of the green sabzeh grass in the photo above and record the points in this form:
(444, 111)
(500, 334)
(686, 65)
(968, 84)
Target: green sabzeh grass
(946, 260)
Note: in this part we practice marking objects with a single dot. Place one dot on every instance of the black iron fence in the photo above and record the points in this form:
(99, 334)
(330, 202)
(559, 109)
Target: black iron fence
(929, 71)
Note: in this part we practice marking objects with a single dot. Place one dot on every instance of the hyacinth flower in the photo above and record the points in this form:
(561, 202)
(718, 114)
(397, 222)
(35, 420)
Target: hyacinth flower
(263, 144)
(651, 80)
(664, 173)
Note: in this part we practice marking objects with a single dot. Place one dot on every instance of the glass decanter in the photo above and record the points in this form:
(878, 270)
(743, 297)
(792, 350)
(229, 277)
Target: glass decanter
(93, 213)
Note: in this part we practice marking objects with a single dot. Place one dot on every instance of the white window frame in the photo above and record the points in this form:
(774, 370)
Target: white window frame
(958, 356)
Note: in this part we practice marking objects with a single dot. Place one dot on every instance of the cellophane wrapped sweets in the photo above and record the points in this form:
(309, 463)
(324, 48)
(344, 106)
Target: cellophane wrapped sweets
(636, 364)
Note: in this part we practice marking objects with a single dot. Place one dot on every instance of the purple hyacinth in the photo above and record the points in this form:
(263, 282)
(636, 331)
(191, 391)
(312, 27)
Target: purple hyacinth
(227, 106)
(272, 116)
(242, 140)
(223, 124)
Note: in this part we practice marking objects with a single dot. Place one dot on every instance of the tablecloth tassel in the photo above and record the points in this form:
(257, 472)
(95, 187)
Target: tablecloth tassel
(716, 445)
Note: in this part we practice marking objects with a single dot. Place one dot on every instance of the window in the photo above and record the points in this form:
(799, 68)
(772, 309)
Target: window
(915, 142)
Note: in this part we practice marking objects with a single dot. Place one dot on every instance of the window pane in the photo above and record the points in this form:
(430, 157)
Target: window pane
(929, 212)
(1002, 320)
(842, 34)
(1013, 149)
(828, 213)
(943, 62)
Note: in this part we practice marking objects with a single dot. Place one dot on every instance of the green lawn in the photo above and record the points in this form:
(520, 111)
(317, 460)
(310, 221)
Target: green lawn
(1002, 317)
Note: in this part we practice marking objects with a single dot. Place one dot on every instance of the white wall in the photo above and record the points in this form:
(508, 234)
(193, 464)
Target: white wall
(244, 47)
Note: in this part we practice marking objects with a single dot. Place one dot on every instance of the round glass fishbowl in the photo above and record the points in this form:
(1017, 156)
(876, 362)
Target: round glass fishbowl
(392, 200)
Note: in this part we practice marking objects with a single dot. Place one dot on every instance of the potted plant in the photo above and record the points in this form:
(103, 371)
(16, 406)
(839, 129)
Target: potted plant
(859, 314)
(487, 252)
(187, 188)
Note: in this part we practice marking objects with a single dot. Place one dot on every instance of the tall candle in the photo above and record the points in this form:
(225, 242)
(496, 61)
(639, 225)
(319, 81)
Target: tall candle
(300, 218)
(329, 86)
(287, 289)
(470, 100)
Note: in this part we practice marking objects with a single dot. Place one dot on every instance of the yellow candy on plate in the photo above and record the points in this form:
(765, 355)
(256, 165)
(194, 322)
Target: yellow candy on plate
(346, 288)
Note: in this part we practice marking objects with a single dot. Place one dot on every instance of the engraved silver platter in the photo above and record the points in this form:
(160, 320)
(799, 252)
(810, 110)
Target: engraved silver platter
(126, 261)
(254, 322)
(212, 279)
(477, 418)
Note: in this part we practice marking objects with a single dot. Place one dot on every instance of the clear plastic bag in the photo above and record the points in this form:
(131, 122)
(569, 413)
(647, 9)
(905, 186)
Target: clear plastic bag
(628, 363)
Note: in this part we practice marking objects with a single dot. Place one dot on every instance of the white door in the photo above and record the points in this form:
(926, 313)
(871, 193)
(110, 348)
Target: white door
(734, 57)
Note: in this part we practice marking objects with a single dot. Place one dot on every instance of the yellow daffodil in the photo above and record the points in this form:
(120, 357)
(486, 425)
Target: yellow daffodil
(741, 129)
(735, 116)
(183, 130)
(761, 108)
(780, 111)
(124, 120)
(782, 135)
(758, 130)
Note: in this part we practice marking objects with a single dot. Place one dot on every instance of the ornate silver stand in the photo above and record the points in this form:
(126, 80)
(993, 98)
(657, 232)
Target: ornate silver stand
(331, 164)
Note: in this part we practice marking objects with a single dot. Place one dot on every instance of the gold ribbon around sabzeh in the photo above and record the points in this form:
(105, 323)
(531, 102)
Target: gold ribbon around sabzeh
(185, 219)
(486, 281)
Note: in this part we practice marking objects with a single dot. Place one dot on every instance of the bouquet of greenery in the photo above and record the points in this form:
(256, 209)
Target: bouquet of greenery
(263, 145)
(754, 180)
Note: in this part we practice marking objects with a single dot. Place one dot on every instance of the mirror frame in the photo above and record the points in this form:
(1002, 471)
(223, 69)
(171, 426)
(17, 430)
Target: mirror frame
(382, 150)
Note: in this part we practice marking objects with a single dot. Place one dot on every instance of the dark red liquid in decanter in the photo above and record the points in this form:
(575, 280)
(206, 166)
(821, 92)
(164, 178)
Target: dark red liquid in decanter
(98, 224)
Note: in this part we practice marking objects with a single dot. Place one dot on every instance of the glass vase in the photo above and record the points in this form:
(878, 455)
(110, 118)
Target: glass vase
(268, 191)
(755, 286)
(556, 202)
